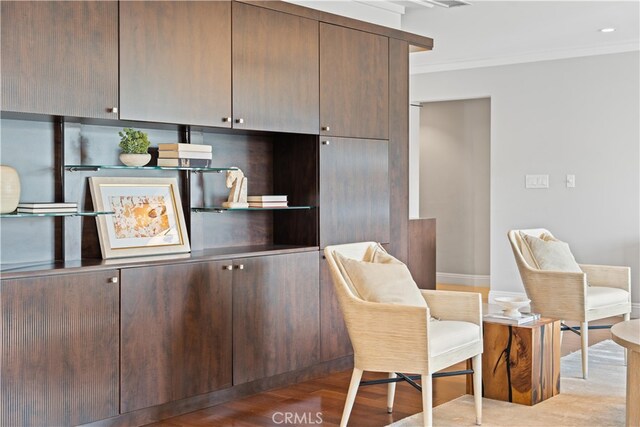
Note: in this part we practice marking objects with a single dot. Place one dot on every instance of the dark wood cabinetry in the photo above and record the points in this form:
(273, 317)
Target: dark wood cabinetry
(175, 332)
(59, 363)
(275, 71)
(275, 315)
(60, 58)
(354, 83)
(175, 62)
(334, 338)
(354, 191)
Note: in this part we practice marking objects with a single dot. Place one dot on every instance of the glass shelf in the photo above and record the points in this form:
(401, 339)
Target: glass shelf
(73, 168)
(52, 214)
(220, 209)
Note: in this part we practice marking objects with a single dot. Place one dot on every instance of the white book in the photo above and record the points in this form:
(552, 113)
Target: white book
(48, 205)
(184, 155)
(499, 318)
(267, 198)
(185, 147)
(47, 210)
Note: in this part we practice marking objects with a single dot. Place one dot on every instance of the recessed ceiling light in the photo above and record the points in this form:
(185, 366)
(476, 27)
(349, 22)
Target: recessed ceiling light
(607, 30)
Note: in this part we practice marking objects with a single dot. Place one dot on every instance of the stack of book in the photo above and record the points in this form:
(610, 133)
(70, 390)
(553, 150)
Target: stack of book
(267, 201)
(184, 155)
(47, 208)
(500, 318)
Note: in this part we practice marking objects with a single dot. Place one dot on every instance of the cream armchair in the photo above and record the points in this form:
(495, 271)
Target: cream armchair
(566, 296)
(396, 338)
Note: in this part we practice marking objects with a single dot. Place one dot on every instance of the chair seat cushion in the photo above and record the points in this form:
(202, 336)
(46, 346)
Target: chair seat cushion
(447, 335)
(601, 296)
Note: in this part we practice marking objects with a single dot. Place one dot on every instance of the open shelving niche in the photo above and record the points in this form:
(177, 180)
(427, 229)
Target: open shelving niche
(71, 150)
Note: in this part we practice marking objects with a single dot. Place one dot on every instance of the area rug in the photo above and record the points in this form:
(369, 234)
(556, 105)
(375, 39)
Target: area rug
(598, 401)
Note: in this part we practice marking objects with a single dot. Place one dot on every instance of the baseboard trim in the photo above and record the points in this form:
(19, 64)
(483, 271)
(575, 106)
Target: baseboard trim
(635, 307)
(463, 279)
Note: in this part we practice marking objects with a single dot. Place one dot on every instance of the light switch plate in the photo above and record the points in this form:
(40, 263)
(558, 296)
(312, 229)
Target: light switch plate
(571, 181)
(537, 181)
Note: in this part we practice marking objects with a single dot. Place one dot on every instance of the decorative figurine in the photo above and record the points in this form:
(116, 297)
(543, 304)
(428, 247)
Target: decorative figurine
(237, 182)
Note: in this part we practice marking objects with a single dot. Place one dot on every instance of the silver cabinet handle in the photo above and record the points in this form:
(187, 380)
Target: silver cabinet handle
(226, 119)
(326, 142)
(240, 267)
(327, 128)
(113, 109)
(113, 280)
(228, 267)
(239, 120)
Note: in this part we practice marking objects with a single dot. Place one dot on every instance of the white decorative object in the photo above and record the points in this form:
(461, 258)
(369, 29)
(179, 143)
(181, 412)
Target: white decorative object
(510, 305)
(9, 189)
(237, 182)
(130, 159)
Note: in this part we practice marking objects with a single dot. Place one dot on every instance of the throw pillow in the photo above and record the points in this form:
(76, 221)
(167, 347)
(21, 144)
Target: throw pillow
(552, 254)
(384, 282)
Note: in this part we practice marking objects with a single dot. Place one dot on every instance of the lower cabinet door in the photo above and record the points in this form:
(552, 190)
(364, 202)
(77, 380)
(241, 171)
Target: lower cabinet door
(334, 338)
(175, 332)
(59, 359)
(275, 315)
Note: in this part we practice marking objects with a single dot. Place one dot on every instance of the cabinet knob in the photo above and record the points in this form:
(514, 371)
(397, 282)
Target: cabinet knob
(240, 267)
(113, 109)
(226, 119)
(228, 267)
(326, 142)
(113, 280)
(327, 128)
(239, 120)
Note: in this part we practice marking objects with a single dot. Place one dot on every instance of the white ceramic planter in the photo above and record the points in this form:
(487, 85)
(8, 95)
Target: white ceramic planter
(135, 159)
(9, 189)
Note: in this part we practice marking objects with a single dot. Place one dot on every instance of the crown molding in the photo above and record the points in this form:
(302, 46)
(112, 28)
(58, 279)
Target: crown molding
(547, 55)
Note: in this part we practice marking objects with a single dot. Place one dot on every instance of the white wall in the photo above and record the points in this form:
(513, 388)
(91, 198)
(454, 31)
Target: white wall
(454, 184)
(414, 161)
(575, 116)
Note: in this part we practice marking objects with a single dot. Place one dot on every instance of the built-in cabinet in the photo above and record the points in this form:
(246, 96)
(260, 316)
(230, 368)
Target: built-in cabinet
(354, 83)
(175, 332)
(305, 98)
(59, 363)
(275, 315)
(175, 62)
(275, 71)
(60, 58)
(354, 190)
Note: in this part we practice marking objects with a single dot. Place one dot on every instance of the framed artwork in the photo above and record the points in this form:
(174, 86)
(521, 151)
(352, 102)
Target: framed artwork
(147, 218)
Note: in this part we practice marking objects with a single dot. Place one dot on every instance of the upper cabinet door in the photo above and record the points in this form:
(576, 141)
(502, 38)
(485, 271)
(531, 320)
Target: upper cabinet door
(60, 58)
(275, 71)
(175, 62)
(354, 83)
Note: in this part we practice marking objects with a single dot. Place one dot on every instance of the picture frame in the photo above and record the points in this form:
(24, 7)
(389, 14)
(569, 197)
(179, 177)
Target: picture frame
(147, 219)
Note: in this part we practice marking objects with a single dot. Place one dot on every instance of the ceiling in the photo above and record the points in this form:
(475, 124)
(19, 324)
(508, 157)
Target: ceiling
(502, 32)
(505, 32)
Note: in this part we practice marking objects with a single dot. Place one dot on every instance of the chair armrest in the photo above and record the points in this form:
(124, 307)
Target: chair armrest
(388, 337)
(608, 276)
(450, 305)
(556, 294)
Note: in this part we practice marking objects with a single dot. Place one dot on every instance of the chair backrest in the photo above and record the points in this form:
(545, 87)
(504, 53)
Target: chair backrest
(359, 251)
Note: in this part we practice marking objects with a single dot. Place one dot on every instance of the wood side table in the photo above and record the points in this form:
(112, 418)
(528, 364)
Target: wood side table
(521, 363)
(627, 334)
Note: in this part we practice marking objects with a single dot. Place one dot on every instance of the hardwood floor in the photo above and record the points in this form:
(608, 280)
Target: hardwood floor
(320, 401)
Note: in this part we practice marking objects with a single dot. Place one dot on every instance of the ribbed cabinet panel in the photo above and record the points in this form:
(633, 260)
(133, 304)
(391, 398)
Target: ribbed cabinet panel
(60, 58)
(59, 351)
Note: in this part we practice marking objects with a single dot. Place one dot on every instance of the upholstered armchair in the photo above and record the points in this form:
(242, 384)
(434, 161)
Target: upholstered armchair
(394, 338)
(596, 292)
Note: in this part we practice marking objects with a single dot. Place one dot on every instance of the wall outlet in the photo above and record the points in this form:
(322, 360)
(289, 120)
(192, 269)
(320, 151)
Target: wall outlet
(537, 181)
(571, 181)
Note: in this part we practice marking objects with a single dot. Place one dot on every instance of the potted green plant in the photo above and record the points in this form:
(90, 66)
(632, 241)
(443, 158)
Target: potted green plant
(134, 145)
